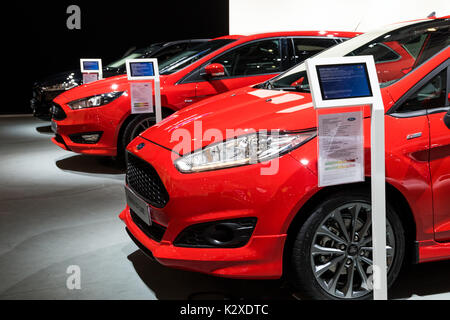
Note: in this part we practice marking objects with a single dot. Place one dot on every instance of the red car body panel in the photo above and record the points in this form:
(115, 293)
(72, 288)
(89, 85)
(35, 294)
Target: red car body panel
(174, 96)
(416, 168)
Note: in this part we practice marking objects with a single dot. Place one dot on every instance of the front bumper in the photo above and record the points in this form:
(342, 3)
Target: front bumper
(220, 195)
(94, 120)
(41, 103)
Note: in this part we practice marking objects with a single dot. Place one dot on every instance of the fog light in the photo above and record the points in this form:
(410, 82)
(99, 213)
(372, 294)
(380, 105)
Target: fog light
(86, 137)
(92, 138)
(217, 234)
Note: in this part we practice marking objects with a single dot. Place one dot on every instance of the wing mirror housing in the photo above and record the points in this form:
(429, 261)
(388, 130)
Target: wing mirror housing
(214, 70)
(447, 119)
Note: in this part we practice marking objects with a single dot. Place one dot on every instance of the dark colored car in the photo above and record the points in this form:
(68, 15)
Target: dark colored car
(46, 90)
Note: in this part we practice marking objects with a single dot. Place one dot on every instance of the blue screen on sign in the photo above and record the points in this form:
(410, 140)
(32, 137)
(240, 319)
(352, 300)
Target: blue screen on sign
(91, 65)
(344, 81)
(142, 69)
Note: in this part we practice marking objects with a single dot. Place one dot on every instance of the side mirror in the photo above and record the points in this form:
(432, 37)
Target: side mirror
(447, 119)
(214, 70)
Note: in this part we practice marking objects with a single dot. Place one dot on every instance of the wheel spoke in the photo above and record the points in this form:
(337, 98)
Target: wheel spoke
(348, 289)
(389, 251)
(365, 281)
(366, 226)
(366, 241)
(324, 231)
(356, 209)
(333, 282)
(338, 217)
(323, 250)
(366, 260)
(319, 270)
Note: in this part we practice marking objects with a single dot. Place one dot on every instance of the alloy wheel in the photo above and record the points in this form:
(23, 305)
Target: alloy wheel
(341, 251)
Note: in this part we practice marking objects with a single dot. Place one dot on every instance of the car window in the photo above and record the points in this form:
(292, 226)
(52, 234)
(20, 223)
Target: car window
(307, 47)
(382, 53)
(430, 95)
(259, 57)
(169, 51)
(398, 53)
(186, 58)
(414, 42)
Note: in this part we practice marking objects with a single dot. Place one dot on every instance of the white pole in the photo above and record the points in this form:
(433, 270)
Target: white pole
(378, 203)
(158, 111)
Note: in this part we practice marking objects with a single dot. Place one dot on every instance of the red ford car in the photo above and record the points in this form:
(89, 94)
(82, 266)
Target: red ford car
(96, 118)
(206, 204)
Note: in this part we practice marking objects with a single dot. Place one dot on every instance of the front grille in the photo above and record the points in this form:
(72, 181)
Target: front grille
(143, 179)
(155, 231)
(37, 93)
(58, 112)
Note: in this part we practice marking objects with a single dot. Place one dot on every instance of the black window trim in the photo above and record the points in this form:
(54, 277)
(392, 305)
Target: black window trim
(182, 80)
(337, 40)
(410, 114)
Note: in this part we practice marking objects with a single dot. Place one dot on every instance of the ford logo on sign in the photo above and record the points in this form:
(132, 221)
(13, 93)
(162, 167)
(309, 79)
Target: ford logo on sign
(140, 146)
(351, 119)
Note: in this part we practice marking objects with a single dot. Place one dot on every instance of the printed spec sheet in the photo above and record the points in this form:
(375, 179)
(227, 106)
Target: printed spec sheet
(141, 97)
(341, 148)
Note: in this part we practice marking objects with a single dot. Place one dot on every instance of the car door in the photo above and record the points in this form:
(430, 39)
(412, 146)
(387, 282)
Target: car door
(438, 100)
(425, 108)
(245, 65)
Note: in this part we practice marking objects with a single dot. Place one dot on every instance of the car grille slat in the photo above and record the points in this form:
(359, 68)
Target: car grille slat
(143, 179)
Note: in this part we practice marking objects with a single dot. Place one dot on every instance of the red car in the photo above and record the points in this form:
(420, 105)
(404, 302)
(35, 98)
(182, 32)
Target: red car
(96, 118)
(200, 199)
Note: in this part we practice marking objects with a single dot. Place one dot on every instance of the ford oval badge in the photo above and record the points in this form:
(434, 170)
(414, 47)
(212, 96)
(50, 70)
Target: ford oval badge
(140, 146)
(351, 119)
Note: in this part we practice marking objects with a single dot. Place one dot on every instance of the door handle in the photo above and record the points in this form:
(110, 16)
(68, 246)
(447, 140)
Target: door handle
(414, 135)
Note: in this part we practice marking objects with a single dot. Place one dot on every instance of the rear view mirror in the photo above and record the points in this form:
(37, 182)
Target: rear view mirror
(214, 70)
(447, 119)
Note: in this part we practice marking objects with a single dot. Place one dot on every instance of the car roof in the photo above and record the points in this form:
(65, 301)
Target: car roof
(307, 33)
(164, 44)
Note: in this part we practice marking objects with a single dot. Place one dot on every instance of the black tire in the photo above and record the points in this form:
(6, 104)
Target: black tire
(314, 285)
(137, 125)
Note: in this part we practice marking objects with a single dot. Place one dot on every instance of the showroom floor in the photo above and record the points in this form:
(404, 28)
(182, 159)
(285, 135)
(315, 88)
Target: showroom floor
(60, 209)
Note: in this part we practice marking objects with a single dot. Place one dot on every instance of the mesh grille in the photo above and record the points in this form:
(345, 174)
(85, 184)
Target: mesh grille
(58, 112)
(145, 181)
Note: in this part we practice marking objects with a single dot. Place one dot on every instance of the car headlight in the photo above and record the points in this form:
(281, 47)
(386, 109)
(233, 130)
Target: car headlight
(94, 101)
(60, 86)
(242, 150)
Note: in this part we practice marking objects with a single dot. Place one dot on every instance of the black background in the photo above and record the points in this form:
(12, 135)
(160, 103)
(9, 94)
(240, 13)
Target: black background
(37, 43)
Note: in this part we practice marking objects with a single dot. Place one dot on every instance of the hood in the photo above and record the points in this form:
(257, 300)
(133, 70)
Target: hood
(60, 77)
(246, 109)
(74, 76)
(116, 83)
(236, 112)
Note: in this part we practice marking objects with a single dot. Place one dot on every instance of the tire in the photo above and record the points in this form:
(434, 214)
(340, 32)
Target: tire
(322, 257)
(132, 130)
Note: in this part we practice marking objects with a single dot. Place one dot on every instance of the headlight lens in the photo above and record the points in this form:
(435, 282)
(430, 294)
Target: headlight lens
(60, 86)
(95, 101)
(243, 150)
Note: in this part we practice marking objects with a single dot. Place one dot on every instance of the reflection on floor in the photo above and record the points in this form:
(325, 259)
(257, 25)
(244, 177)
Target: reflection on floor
(59, 209)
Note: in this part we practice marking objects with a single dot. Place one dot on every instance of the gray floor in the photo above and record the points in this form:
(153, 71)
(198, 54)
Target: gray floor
(59, 209)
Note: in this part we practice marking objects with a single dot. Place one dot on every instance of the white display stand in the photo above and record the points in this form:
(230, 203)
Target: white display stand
(91, 69)
(319, 72)
(145, 69)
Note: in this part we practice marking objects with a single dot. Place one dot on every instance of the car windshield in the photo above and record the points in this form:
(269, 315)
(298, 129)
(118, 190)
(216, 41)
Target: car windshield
(136, 54)
(188, 57)
(397, 50)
